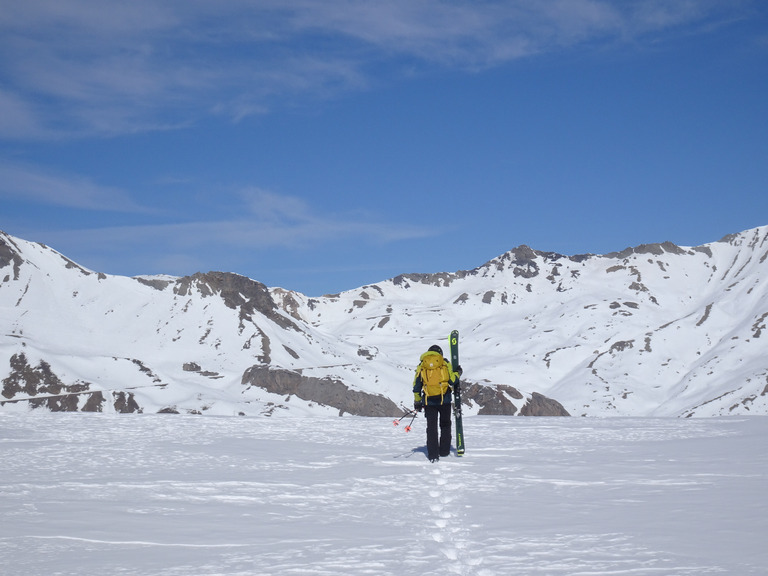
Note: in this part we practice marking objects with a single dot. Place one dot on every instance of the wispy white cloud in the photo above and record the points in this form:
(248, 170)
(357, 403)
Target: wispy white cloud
(19, 118)
(266, 223)
(290, 221)
(107, 66)
(44, 187)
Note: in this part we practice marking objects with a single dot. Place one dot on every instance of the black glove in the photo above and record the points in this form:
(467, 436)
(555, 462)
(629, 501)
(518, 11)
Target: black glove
(418, 406)
(459, 370)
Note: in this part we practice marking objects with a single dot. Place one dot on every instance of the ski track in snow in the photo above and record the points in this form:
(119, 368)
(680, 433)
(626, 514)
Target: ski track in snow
(184, 495)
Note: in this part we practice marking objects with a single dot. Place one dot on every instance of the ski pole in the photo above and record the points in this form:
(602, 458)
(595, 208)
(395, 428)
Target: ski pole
(408, 428)
(396, 422)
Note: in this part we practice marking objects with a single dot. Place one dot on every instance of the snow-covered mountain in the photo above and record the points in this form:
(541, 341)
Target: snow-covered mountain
(654, 330)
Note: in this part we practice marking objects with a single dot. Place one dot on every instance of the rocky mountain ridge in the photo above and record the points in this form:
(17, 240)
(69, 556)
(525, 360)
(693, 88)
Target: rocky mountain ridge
(657, 329)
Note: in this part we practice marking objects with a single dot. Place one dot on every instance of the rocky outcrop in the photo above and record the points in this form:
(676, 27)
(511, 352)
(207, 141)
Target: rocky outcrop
(325, 391)
(540, 405)
(436, 279)
(9, 256)
(238, 292)
(39, 387)
(496, 400)
(35, 380)
(652, 249)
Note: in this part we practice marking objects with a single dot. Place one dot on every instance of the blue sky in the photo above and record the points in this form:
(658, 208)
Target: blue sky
(322, 146)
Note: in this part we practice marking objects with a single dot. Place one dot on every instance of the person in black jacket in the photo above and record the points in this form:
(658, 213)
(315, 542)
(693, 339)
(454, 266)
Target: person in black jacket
(433, 392)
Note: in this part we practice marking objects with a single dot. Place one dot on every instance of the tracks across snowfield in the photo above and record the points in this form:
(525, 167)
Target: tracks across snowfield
(189, 495)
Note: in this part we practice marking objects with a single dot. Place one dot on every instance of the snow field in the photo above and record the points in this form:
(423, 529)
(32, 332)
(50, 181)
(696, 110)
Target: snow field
(188, 495)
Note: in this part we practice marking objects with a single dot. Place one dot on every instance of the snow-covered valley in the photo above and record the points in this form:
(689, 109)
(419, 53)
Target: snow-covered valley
(159, 495)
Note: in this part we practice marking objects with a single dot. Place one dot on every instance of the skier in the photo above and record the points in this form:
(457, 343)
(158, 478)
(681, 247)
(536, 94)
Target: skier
(432, 392)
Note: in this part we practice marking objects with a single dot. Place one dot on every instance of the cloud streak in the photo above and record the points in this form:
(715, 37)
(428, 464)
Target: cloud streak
(46, 188)
(111, 67)
(267, 223)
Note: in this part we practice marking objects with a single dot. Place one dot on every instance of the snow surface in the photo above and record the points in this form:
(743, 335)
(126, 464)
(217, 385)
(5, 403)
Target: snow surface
(96, 494)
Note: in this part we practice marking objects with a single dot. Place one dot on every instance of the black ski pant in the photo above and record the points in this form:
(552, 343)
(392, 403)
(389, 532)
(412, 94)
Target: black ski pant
(438, 444)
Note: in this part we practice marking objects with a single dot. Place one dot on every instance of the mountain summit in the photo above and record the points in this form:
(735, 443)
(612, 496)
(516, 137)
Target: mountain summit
(657, 329)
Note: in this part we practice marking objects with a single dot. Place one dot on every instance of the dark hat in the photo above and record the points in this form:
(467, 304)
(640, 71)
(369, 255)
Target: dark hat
(436, 348)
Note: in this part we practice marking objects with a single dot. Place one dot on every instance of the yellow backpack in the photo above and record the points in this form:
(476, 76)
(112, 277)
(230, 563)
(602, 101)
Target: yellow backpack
(434, 373)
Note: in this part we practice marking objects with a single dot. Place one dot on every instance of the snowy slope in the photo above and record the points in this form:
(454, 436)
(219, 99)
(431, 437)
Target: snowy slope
(152, 495)
(655, 330)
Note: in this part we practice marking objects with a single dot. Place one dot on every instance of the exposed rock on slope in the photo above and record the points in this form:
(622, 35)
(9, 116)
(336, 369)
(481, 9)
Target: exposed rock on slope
(325, 391)
(41, 388)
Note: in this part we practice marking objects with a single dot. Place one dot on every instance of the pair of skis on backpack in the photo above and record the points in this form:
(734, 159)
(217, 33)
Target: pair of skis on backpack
(454, 347)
